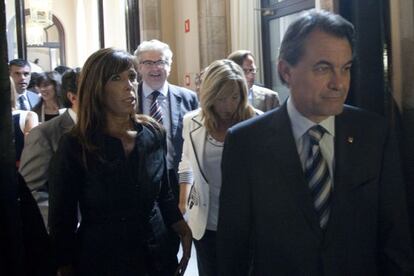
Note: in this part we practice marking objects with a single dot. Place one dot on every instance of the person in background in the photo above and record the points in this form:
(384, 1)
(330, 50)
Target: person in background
(314, 187)
(165, 102)
(20, 71)
(33, 83)
(223, 100)
(61, 69)
(260, 97)
(43, 141)
(50, 104)
(23, 121)
(112, 167)
(199, 80)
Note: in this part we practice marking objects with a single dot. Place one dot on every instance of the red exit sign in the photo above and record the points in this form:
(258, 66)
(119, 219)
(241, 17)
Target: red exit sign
(187, 25)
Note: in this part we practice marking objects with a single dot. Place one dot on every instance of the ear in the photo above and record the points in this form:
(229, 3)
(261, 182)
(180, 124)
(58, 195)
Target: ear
(72, 97)
(284, 70)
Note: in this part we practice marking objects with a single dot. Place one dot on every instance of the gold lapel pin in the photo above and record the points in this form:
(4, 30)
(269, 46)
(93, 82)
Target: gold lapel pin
(350, 139)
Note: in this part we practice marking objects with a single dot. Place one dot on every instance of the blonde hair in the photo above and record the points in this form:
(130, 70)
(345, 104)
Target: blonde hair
(12, 93)
(221, 78)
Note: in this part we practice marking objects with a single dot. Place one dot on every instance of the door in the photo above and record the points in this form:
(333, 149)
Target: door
(276, 17)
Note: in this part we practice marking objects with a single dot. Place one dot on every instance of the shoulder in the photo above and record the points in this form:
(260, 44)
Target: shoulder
(192, 114)
(361, 118)
(264, 91)
(182, 91)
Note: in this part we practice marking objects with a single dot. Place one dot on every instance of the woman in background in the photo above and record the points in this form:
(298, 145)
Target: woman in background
(112, 165)
(50, 104)
(223, 100)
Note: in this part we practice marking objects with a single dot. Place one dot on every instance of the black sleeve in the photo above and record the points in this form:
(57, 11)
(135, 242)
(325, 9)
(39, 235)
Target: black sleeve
(66, 175)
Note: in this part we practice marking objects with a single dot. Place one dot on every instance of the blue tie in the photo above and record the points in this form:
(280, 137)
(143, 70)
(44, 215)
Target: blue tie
(155, 108)
(317, 175)
(22, 103)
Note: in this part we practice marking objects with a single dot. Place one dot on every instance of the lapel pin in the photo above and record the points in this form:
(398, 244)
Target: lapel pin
(350, 140)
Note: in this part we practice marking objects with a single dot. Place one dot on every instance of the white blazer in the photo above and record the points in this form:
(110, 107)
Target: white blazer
(194, 134)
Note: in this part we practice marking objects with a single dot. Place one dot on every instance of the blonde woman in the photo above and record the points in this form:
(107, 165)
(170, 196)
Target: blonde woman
(223, 100)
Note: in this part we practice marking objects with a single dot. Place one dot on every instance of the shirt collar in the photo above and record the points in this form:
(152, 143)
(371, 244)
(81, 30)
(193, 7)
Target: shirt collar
(147, 90)
(301, 124)
(73, 115)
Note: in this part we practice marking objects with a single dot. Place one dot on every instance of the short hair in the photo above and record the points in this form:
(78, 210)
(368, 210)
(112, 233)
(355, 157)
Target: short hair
(96, 72)
(292, 47)
(154, 45)
(61, 69)
(70, 84)
(239, 56)
(19, 63)
(219, 80)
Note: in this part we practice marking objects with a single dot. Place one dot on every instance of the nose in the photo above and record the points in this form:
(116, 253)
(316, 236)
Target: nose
(338, 81)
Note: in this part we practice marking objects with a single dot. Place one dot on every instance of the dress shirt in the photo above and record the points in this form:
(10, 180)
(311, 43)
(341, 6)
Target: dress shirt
(26, 101)
(300, 127)
(73, 115)
(163, 101)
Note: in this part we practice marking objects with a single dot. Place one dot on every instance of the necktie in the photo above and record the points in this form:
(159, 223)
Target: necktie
(22, 103)
(155, 109)
(317, 175)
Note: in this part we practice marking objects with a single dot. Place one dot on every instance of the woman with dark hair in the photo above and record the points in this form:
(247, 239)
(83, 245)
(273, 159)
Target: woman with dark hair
(50, 105)
(112, 166)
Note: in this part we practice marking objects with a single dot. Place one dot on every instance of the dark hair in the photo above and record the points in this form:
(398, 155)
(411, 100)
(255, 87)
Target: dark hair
(97, 70)
(69, 84)
(19, 62)
(33, 81)
(61, 69)
(55, 79)
(293, 43)
(239, 56)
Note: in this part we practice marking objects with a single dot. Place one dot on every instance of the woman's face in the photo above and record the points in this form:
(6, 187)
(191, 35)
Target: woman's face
(47, 91)
(225, 106)
(119, 93)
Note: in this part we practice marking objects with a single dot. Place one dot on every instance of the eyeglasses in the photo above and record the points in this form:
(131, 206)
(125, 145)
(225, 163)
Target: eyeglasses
(250, 70)
(149, 63)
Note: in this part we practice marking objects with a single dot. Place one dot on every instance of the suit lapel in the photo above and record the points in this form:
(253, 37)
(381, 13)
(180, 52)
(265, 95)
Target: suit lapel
(286, 156)
(140, 99)
(345, 154)
(198, 140)
(175, 103)
(66, 122)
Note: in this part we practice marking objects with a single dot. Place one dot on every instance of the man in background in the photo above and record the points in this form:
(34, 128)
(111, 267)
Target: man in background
(42, 142)
(20, 72)
(260, 97)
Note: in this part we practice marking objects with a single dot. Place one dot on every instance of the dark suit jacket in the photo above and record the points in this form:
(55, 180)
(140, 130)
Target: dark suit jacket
(181, 101)
(265, 203)
(123, 202)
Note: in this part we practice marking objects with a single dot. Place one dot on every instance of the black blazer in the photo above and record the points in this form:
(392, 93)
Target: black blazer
(265, 204)
(125, 205)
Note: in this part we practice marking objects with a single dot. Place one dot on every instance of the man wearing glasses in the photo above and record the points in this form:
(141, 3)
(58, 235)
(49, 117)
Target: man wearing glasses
(260, 97)
(165, 102)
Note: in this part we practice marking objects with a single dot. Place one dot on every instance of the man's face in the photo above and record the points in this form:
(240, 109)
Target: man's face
(21, 77)
(319, 82)
(154, 69)
(250, 70)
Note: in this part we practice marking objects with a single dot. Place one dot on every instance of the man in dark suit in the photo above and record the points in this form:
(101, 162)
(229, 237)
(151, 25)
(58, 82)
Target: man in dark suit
(43, 140)
(155, 58)
(20, 72)
(313, 187)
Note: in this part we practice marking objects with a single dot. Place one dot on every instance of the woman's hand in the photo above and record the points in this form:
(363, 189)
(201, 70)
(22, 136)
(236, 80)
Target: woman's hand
(183, 198)
(184, 232)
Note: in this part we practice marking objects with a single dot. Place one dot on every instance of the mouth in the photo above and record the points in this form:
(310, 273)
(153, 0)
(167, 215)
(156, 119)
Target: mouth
(130, 100)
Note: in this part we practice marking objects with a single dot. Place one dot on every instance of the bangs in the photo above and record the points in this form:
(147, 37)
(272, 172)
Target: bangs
(119, 62)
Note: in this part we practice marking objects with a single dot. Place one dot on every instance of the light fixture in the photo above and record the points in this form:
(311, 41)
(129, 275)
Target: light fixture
(40, 18)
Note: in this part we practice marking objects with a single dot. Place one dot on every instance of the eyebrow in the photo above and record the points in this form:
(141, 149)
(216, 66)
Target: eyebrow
(325, 62)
